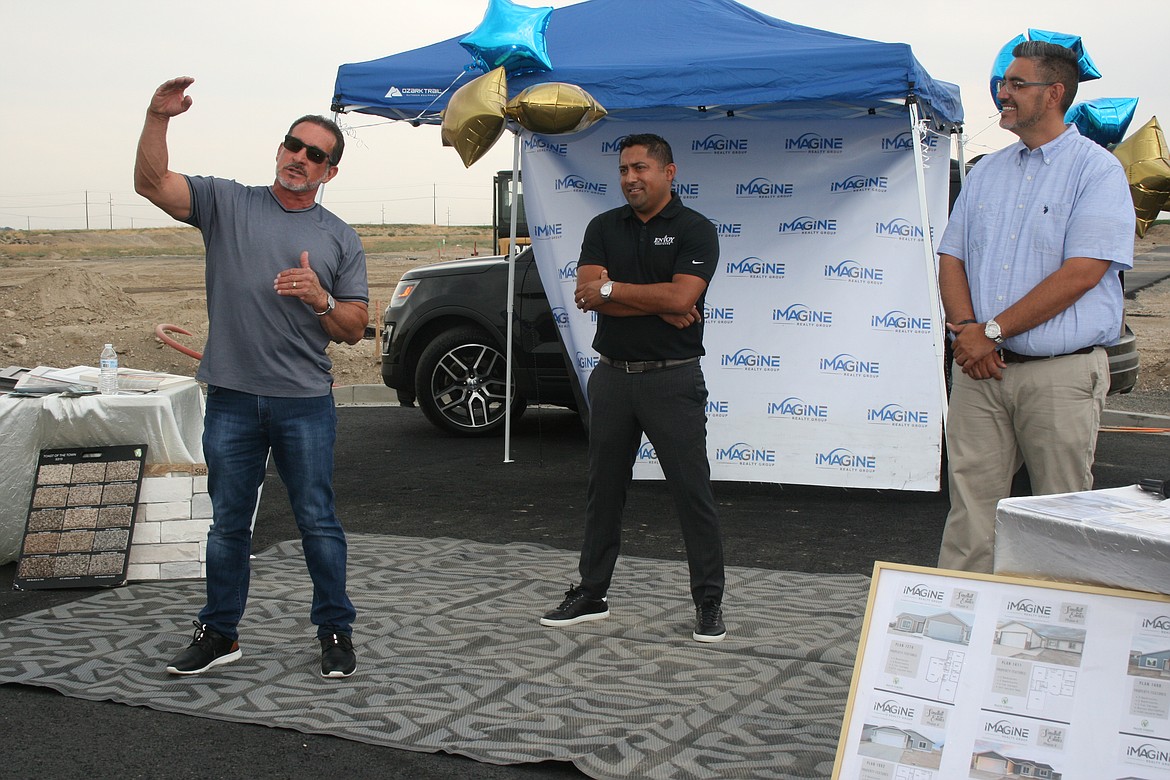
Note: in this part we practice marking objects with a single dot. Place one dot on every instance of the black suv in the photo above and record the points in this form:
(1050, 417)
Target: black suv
(444, 337)
(444, 345)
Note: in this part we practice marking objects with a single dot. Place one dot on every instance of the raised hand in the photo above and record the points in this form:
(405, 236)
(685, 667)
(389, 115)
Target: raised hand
(169, 99)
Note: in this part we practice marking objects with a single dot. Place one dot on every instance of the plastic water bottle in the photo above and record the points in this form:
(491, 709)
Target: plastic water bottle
(108, 373)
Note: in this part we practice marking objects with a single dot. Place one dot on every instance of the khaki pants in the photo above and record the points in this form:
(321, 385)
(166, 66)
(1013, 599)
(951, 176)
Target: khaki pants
(1044, 413)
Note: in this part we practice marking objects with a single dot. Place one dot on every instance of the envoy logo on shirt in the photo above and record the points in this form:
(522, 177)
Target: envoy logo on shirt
(853, 271)
(664, 241)
(576, 183)
(754, 268)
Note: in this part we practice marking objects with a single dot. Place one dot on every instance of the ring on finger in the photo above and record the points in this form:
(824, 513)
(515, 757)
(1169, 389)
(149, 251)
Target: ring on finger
(294, 285)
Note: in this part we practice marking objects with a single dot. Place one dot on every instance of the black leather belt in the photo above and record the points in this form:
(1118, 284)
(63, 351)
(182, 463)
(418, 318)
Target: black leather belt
(1015, 357)
(639, 366)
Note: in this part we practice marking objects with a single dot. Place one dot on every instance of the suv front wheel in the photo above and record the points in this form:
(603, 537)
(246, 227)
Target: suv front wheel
(461, 383)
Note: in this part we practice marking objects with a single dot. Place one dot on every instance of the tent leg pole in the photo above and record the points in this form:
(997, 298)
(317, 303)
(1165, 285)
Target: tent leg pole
(929, 255)
(514, 184)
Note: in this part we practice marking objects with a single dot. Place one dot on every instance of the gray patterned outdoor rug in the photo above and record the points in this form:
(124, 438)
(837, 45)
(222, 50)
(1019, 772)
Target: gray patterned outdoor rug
(451, 658)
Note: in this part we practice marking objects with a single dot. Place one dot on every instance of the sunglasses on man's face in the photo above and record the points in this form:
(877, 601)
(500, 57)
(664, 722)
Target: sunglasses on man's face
(294, 145)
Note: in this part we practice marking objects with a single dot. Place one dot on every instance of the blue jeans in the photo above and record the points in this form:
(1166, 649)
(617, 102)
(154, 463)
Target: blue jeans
(239, 430)
(669, 405)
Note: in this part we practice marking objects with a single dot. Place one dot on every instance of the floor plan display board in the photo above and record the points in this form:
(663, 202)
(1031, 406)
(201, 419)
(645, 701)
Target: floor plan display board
(982, 676)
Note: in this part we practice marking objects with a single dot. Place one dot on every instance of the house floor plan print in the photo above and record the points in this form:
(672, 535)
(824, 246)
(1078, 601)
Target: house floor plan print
(989, 677)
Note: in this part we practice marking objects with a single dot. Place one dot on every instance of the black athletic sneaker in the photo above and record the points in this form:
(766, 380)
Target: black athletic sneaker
(709, 622)
(577, 607)
(208, 649)
(337, 656)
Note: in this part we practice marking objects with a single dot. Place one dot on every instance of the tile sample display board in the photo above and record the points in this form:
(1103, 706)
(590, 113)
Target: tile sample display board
(81, 517)
(964, 675)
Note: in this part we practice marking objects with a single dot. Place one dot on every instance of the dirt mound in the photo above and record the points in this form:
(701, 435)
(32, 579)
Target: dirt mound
(80, 293)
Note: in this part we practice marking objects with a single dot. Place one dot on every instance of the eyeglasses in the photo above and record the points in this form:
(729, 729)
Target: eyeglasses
(294, 145)
(1014, 85)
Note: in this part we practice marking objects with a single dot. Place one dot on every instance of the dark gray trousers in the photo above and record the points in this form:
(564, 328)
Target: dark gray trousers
(669, 405)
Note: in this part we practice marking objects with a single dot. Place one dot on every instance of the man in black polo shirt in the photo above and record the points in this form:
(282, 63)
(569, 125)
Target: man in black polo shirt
(644, 268)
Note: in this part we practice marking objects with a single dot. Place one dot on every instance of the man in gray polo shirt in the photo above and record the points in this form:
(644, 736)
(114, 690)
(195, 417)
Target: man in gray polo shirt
(284, 278)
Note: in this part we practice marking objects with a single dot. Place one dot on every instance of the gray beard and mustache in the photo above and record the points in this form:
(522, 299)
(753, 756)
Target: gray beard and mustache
(298, 186)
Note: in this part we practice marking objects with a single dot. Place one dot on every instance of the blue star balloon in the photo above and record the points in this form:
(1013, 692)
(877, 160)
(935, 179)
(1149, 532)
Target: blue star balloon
(1103, 120)
(1088, 68)
(512, 37)
(1004, 58)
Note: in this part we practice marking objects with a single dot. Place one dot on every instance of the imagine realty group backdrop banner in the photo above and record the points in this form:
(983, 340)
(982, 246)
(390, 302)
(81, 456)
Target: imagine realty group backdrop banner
(823, 327)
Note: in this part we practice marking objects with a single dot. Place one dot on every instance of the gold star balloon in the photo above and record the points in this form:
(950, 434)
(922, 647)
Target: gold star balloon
(554, 108)
(474, 117)
(1147, 168)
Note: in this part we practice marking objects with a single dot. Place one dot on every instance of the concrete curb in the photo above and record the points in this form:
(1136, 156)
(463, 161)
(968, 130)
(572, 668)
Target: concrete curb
(380, 395)
(1119, 419)
(364, 395)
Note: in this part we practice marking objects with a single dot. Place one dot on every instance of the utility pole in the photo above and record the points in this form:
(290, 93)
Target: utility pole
(435, 203)
(87, 209)
(111, 211)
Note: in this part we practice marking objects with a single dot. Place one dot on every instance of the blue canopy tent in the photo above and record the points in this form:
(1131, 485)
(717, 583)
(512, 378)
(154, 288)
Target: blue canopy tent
(687, 56)
(683, 60)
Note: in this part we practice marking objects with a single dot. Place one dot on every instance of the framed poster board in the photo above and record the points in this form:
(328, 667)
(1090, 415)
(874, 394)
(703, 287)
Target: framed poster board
(962, 675)
(81, 518)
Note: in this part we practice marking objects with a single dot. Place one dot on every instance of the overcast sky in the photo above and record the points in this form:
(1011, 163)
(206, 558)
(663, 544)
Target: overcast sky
(76, 75)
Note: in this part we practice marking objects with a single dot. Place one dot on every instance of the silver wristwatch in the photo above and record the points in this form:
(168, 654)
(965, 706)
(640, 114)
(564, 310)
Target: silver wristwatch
(606, 291)
(992, 331)
(329, 306)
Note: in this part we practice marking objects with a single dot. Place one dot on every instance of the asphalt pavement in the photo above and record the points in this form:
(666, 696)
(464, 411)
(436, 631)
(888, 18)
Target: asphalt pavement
(396, 474)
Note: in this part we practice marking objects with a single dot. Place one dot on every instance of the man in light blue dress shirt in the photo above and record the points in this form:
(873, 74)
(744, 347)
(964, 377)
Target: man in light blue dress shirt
(1028, 272)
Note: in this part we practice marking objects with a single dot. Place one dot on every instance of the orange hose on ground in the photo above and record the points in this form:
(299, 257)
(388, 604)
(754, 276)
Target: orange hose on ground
(161, 332)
